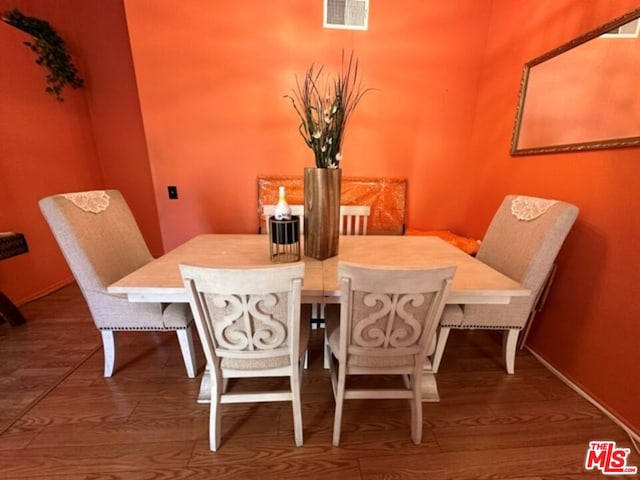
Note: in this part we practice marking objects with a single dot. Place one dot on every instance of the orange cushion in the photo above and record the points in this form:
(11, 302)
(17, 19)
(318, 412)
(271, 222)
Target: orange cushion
(466, 244)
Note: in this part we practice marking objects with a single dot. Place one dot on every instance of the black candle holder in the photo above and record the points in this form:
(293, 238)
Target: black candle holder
(284, 239)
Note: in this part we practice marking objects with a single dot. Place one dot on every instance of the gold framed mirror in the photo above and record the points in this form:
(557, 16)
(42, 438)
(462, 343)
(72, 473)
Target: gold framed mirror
(582, 95)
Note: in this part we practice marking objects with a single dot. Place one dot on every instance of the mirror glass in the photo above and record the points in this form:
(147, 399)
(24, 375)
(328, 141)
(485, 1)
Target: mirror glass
(582, 95)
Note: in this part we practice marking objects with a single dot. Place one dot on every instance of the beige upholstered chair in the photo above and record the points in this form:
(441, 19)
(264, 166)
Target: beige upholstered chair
(269, 210)
(354, 219)
(384, 325)
(102, 243)
(522, 242)
(249, 325)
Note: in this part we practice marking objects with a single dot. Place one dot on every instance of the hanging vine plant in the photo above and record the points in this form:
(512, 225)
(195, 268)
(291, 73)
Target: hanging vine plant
(51, 52)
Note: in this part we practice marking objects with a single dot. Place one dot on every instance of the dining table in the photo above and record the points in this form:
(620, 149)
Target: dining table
(474, 282)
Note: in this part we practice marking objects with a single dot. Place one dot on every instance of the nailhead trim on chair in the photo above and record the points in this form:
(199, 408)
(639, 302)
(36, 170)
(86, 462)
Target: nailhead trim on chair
(147, 329)
(485, 327)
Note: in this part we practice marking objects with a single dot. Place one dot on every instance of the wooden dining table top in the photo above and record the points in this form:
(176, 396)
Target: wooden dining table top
(474, 281)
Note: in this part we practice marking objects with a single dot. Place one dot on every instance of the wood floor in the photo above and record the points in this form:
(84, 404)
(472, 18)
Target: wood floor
(60, 419)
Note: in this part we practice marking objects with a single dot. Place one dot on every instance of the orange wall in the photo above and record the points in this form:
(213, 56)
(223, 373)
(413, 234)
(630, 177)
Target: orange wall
(589, 327)
(43, 145)
(94, 139)
(211, 84)
(102, 40)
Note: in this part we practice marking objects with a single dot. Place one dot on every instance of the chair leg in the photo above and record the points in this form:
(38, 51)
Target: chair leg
(296, 404)
(322, 306)
(317, 313)
(314, 315)
(307, 315)
(185, 338)
(509, 344)
(416, 408)
(327, 354)
(443, 335)
(109, 347)
(339, 397)
(215, 420)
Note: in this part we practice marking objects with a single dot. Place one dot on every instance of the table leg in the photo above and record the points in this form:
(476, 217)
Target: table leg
(204, 396)
(9, 311)
(429, 387)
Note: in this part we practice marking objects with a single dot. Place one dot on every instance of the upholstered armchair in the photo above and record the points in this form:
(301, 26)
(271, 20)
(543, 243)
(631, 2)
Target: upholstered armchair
(102, 243)
(522, 242)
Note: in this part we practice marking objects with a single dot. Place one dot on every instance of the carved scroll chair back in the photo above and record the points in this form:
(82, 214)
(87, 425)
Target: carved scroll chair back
(249, 325)
(384, 325)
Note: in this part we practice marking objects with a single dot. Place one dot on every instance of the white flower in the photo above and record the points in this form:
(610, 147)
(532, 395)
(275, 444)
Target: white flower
(317, 134)
(338, 157)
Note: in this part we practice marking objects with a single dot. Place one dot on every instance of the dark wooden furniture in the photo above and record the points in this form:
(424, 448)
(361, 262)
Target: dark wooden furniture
(11, 244)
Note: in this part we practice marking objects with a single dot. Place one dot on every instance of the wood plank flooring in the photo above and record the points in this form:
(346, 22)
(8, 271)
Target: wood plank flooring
(60, 419)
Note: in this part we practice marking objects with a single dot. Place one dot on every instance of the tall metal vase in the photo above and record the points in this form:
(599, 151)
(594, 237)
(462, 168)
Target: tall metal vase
(321, 212)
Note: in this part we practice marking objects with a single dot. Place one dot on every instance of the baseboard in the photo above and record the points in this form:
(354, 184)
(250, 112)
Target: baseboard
(634, 436)
(45, 291)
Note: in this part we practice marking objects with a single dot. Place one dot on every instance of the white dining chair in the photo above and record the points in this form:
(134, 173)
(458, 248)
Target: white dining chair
(354, 219)
(384, 325)
(248, 321)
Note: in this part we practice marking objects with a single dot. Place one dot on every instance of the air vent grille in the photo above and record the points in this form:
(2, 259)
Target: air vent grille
(346, 14)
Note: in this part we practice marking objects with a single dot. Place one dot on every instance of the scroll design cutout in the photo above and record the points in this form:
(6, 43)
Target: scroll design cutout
(95, 201)
(530, 208)
(247, 322)
(389, 332)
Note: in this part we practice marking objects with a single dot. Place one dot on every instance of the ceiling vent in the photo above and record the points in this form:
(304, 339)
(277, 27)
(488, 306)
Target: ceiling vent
(346, 14)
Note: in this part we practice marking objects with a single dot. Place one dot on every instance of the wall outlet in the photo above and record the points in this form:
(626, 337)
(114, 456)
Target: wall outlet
(173, 192)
